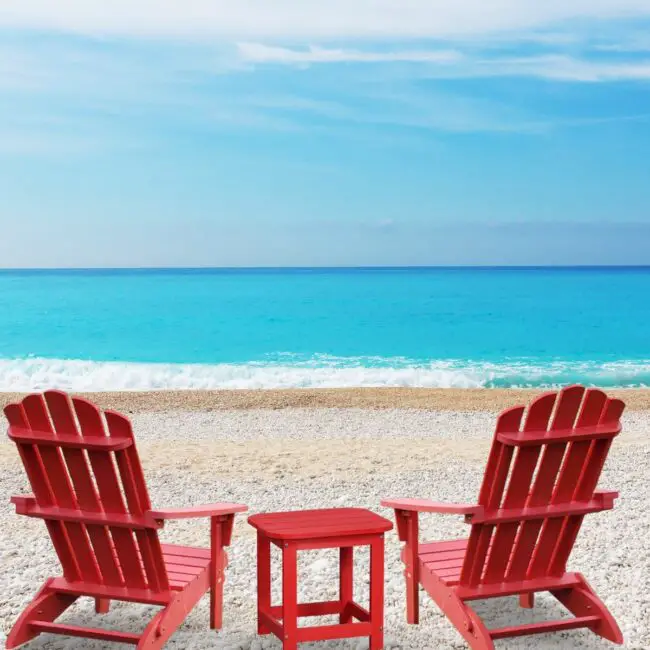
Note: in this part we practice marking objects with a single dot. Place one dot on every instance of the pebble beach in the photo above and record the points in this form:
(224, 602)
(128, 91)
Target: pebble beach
(284, 450)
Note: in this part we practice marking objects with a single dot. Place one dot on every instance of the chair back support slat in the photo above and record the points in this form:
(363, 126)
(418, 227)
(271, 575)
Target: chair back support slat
(592, 468)
(490, 496)
(539, 473)
(521, 476)
(90, 480)
(567, 409)
(102, 462)
(137, 498)
(63, 421)
(62, 492)
(43, 492)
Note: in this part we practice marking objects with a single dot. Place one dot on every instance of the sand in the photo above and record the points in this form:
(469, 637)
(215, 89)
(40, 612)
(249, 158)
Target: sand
(277, 459)
(431, 399)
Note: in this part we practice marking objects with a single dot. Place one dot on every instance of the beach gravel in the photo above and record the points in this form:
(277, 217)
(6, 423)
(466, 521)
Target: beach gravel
(297, 458)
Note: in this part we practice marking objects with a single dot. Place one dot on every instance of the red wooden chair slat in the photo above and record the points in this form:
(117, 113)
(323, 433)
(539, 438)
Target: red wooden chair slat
(91, 425)
(568, 404)
(41, 488)
(63, 421)
(94, 501)
(518, 487)
(539, 482)
(62, 492)
(137, 499)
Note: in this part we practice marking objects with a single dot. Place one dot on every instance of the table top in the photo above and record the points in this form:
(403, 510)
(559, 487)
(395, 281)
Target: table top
(319, 524)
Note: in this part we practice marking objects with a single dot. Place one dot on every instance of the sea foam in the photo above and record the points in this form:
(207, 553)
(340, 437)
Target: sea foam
(322, 372)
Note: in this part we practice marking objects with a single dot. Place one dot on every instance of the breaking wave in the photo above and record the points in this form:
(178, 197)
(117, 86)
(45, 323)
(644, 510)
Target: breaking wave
(316, 372)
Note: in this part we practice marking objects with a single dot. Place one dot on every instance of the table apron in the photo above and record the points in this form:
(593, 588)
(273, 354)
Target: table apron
(328, 542)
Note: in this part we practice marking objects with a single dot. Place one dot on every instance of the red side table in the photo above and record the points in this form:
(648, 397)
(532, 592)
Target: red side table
(342, 528)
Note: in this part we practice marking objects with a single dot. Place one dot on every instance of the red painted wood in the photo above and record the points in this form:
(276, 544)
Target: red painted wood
(294, 531)
(31, 509)
(514, 588)
(565, 435)
(543, 628)
(356, 611)
(64, 423)
(86, 632)
(517, 491)
(63, 495)
(289, 597)
(582, 601)
(216, 573)
(89, 488)
(263, 581)
(377, 594)
(540, 482)
(412, 568)
(424, 505)
(320, 608)
(210, 510)
(328, 632)
(527, 600)
(46, 439)
(346, 582)
(319, 524)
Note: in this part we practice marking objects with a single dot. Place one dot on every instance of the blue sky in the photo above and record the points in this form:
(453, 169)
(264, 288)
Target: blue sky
(297, 132)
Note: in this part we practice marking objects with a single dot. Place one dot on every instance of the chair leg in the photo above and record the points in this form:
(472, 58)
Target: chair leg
(460, 614)
(170, 617)
(527, 601)
(102, 605)
(217, 566)
(583, 601)
(46, 606)
(412, 571)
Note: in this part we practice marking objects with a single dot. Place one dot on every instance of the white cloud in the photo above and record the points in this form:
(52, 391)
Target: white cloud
(304, 19)
(260, 53)
(563, 68)
(452, 64)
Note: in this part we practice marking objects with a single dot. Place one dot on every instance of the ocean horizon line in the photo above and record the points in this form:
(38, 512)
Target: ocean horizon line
(325, 268)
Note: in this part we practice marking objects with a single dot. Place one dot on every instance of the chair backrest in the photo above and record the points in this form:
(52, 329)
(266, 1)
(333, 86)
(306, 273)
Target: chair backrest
(539, 482)
(89, 488)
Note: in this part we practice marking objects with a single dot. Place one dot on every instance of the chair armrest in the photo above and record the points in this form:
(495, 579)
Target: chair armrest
(212, 510)
(424, 505)
(23, 503)
(606, 497)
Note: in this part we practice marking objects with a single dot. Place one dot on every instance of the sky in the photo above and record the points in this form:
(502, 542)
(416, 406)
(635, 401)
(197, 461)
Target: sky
(301, 132)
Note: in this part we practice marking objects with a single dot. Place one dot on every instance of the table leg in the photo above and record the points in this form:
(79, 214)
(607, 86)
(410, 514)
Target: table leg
(263, 580)
(289, 596)
(346, 581)
(377, 593)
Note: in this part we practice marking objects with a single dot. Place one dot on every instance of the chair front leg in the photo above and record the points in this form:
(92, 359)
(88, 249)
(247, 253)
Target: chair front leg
(220, 532)
(407, 527)
(102, 605)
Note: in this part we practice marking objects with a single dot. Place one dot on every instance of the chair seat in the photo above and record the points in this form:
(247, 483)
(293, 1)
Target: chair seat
(185, 563)
(443, 559)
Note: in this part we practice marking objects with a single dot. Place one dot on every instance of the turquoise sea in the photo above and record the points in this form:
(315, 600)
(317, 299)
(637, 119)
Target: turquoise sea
(258, 328)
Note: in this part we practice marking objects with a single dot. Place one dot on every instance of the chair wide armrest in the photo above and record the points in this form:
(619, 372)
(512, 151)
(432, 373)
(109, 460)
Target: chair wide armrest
(211, 510)
(606, 497)
(23, 503)
(424, 505)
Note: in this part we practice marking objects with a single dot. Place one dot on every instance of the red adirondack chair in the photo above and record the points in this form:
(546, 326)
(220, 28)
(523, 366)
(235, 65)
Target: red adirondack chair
(89, 489)
(539, 484)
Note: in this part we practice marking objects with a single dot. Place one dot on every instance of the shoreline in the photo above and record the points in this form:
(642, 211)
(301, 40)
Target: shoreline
(427, 399)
